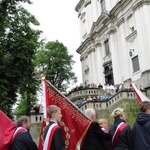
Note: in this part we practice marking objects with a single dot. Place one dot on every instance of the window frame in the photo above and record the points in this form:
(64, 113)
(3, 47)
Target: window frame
(135, 64)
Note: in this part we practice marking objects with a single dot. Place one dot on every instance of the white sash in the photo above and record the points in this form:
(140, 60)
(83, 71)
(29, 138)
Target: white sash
(48, 136)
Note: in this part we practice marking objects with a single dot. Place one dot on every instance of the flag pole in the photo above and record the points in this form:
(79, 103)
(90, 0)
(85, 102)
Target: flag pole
(43, 78)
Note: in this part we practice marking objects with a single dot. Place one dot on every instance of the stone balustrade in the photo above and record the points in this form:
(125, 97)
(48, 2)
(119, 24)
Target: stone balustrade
(74, 95)
(106, 104)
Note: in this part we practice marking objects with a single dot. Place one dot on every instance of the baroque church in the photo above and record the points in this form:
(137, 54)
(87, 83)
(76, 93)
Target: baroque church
(115, 41)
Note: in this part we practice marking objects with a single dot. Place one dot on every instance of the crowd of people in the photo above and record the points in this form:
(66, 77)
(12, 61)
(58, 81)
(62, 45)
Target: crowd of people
(120, 136)
(110, 90)
(81, 101)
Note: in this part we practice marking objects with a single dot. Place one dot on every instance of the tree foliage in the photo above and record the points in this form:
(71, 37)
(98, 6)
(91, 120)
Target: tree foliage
(54, 61)
(18, 45)
(22, 104)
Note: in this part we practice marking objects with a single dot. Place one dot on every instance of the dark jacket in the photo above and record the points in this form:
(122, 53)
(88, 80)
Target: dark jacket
(94, 138)
(24, 141)
(124, 139)
(141, 132)
(57, 140)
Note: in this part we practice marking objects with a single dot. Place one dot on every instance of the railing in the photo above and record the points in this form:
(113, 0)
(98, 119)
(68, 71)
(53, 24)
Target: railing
(106, 104)
(85, 92)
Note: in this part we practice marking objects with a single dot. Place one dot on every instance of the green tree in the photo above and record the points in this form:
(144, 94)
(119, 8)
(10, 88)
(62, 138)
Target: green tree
(18, 45)
(54, 61)
(22, 104)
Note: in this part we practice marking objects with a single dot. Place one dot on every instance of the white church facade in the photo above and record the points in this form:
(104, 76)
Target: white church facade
(115, 41)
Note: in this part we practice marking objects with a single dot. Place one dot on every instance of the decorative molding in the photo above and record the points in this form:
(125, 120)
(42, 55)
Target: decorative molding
(100, 23)
(129, 15)
(86, 70)
(87, 3)
(98, 43)
(107, 58)
(81, 58)
(120, 21)
(86, 56)
(140, 3)
(83, 15)
(79, 5)
(130, 38)
(90, 50)
(105, 37)
(112, 30)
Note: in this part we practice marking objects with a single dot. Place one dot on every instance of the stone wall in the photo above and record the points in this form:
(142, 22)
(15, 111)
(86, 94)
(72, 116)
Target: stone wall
(130, 106)
(35, 131)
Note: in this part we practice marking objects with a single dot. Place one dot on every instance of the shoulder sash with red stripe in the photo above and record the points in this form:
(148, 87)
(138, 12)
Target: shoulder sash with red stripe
(120, 127)
(18, 130)
(49, 136)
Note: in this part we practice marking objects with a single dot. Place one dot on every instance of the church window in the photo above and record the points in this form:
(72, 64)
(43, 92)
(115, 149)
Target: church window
(135, 64)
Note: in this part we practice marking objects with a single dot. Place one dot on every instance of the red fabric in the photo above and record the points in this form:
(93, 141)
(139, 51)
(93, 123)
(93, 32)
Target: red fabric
(140, 96)
(117, 133)
(7, 129)
(16, 133)
(41, 141)
(73, 122)
(104, 130)
(51, 136)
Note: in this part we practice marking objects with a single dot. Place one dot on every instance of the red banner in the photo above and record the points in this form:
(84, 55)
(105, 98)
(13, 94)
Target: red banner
(40, 146)
(7, 129)
(73, 122)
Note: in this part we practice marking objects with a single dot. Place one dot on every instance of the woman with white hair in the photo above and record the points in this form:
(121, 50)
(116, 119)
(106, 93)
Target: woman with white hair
(120, 132)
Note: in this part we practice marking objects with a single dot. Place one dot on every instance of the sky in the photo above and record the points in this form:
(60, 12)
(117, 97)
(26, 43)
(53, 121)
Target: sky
(59, 21)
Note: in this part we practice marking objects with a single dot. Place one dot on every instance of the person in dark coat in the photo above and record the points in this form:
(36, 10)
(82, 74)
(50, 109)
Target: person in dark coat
(23, 140)
(57, 142)
(94, 136)
(123, 141)
(141, 128)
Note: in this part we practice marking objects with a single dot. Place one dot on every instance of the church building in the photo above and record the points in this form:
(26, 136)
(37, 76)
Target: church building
(115, 41)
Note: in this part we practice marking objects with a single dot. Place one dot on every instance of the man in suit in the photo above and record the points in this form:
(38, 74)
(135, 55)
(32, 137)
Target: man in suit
(22, 139)
(53, 136)
(94, 136)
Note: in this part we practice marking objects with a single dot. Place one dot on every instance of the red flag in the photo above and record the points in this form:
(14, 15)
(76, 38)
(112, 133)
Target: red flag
(7, 129)
(74, 123)
(140, 96)
(41, 141)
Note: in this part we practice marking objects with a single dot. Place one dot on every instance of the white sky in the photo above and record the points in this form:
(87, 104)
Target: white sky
(59, 21)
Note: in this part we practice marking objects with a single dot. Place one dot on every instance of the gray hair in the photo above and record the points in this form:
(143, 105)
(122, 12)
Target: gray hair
(89, 112)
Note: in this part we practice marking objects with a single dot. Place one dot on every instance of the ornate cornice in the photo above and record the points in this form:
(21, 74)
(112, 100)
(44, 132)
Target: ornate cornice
(87, 3)
(111, 30)
(140, 3)
(132, 36)
(120, 21)
(100, 22)
(90, 50)
(79, 5)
